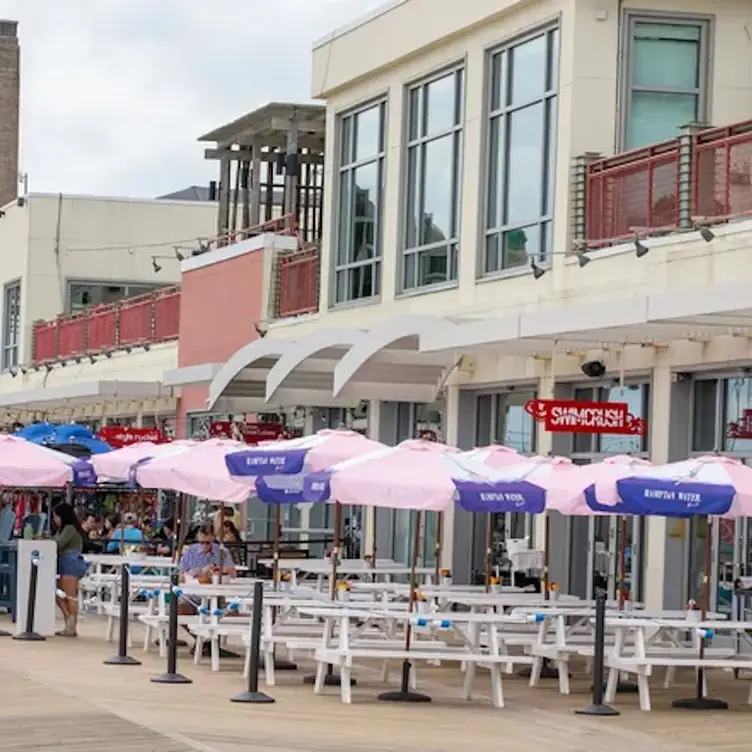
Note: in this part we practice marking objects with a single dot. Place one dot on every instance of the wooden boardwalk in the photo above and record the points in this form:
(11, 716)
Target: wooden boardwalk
(58, 695)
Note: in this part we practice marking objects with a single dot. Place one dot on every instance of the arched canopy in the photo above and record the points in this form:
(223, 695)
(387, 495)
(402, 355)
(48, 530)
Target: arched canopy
(387, 360)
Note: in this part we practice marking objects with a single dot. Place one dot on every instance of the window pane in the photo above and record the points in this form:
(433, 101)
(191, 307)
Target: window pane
(368, 133)
(408, 278)
(440, 107)
(346, 141)
(345, 217)
(415, 107)
(495, 172)
(361, 282)
(636, 399)
(515, 427)
(438, 189)
(432, 267)
(498, 80)
(553, 60)
(705, 405)
(493, 253)
(366, 193)
(666, 64)
(525, 159)
(529, 69)
(520, 245)
(550, 156)
(737, 415)
(655, 116)
(686, 32)
(412, 218)
(483, 420)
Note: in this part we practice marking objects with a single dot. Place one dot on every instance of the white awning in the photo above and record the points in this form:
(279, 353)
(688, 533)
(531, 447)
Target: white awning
(81, 393)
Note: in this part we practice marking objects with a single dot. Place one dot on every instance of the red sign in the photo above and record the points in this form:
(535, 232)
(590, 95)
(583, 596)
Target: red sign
(250, 433)
(742, 429)
(120, 436)
(571, 416)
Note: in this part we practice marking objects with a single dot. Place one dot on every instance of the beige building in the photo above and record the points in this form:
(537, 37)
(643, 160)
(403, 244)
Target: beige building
(10, 89)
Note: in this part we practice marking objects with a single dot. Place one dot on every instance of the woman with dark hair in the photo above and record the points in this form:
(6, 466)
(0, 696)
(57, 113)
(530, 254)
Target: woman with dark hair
(71, 566)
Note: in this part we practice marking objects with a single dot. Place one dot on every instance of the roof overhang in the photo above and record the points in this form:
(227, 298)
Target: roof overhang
(82, 393)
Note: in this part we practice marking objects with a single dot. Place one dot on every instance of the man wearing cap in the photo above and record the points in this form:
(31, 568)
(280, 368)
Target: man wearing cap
(125, 536)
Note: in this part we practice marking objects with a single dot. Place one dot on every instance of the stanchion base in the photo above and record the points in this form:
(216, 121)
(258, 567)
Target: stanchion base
(402, 696)
(601, 710)
(121, 660)
(4, 633)
(700, 703)
(255, 698)
(280, 664)
(171, 679)
(29, 637)
(548, 671)
(330, 680)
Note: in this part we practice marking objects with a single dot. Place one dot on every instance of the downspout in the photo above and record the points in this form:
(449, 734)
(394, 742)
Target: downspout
(58, 261)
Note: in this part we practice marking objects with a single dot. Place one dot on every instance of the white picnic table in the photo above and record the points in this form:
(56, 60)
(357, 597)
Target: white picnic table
(644, 643)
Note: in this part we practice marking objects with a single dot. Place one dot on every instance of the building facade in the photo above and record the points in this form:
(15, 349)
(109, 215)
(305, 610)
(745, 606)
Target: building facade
(10, 91)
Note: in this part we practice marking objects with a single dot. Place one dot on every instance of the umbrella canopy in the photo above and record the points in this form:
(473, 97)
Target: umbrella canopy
(24, 464)
(496, 456)
(572, 492)
(118, 464)
(294, 456)
(711, 485)
(416, 474)
(522, 487)
(197, 470)
(62, 437)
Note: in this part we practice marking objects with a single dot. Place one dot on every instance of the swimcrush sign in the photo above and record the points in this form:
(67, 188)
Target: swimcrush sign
(572, 416)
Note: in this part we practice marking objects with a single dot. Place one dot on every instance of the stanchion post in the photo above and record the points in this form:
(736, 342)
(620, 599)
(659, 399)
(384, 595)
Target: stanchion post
(597, 707)
(29, 635)
(171, 676)
(252, 694)
(122, 658)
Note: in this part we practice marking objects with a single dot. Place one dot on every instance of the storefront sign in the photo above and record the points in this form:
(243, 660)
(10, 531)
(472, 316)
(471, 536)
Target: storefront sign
(120, 436)
(250, 433)
(571, 416)
(742, 429)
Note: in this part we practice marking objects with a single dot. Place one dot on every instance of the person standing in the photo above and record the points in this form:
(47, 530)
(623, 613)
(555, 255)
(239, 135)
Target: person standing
(71, 566)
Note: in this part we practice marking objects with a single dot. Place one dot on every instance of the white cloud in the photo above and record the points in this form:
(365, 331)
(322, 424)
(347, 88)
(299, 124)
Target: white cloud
(116, 92)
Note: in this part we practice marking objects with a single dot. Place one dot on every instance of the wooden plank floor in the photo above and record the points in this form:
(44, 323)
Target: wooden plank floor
(59, 695)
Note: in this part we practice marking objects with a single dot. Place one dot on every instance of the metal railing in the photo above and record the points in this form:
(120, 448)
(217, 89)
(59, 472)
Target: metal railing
(144, 320)
(704, 175)
(297, 283)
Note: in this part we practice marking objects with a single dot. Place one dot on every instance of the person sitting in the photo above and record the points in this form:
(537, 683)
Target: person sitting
(165, 537)
(126, 536)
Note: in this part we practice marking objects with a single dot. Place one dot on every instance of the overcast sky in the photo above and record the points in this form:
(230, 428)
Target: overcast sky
(116, 92)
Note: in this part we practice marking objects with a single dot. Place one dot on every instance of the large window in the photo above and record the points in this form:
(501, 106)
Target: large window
(502, 419)
(434, 155)
(11, 324)
(722, 416)
(523, 81)
(666, 77)
(361, 187)
(81, 295)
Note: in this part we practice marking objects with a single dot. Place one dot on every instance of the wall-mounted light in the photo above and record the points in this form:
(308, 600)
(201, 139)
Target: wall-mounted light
(707, 234)
(538, 271)
(157, 268)
(583, 259)
(640, 248)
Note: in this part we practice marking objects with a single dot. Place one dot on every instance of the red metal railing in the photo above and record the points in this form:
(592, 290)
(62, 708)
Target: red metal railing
(634, 191)
(154, 317)
(298, 283)
(722, 172)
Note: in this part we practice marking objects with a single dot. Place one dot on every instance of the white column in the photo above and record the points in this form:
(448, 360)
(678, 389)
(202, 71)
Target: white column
(451, 426)
(369, 521)
(139, 422)
(544, 441)
(660, 420)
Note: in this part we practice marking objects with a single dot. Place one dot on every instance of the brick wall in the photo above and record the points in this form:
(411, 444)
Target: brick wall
(9, 111)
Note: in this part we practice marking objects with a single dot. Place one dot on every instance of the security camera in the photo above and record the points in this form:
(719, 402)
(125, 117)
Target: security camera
(593, 369)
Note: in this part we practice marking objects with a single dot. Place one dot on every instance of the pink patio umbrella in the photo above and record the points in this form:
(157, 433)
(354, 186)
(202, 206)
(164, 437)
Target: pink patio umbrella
(24, 464)
(117, 465)
(196, 470)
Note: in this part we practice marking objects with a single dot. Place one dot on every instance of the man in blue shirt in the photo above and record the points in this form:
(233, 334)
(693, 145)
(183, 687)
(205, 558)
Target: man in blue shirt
(206, 554)
(126, 536)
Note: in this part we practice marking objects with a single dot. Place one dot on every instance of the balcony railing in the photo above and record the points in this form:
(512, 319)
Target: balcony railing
(705, 175)
(297, 283)
(134, 322)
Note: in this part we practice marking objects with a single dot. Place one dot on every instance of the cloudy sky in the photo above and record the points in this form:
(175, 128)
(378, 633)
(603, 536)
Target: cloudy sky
(116, 92)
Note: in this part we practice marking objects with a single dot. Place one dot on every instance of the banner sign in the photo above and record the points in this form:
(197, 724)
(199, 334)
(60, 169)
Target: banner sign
(250, 433)
(572, 416)
(742, 429)
(120, 436)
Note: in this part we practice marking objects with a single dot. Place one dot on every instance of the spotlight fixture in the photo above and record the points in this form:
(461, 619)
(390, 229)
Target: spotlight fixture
(13, 371)
(583, 259)
(640, 248)
(707, 234)
(157, 268)
(593, 369)
(48, 366)
(147, 346)
(92, 359)
(108, 354)
(178, 255)
(261, 328)
(24, 370)
(538, 272)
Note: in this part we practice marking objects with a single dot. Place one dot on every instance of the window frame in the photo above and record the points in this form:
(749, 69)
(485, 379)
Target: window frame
(340, 169)
(12, 287)
(630, 18)
(721, 378)
(549, 173)
(125, 285)
(457, 131)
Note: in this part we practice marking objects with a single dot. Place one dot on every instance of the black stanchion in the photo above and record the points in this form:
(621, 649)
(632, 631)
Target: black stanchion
(699, 701)
(171, 676)
(29, 635)
(598, 707)
(252, 694)
(122, 658)
(404, 693)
